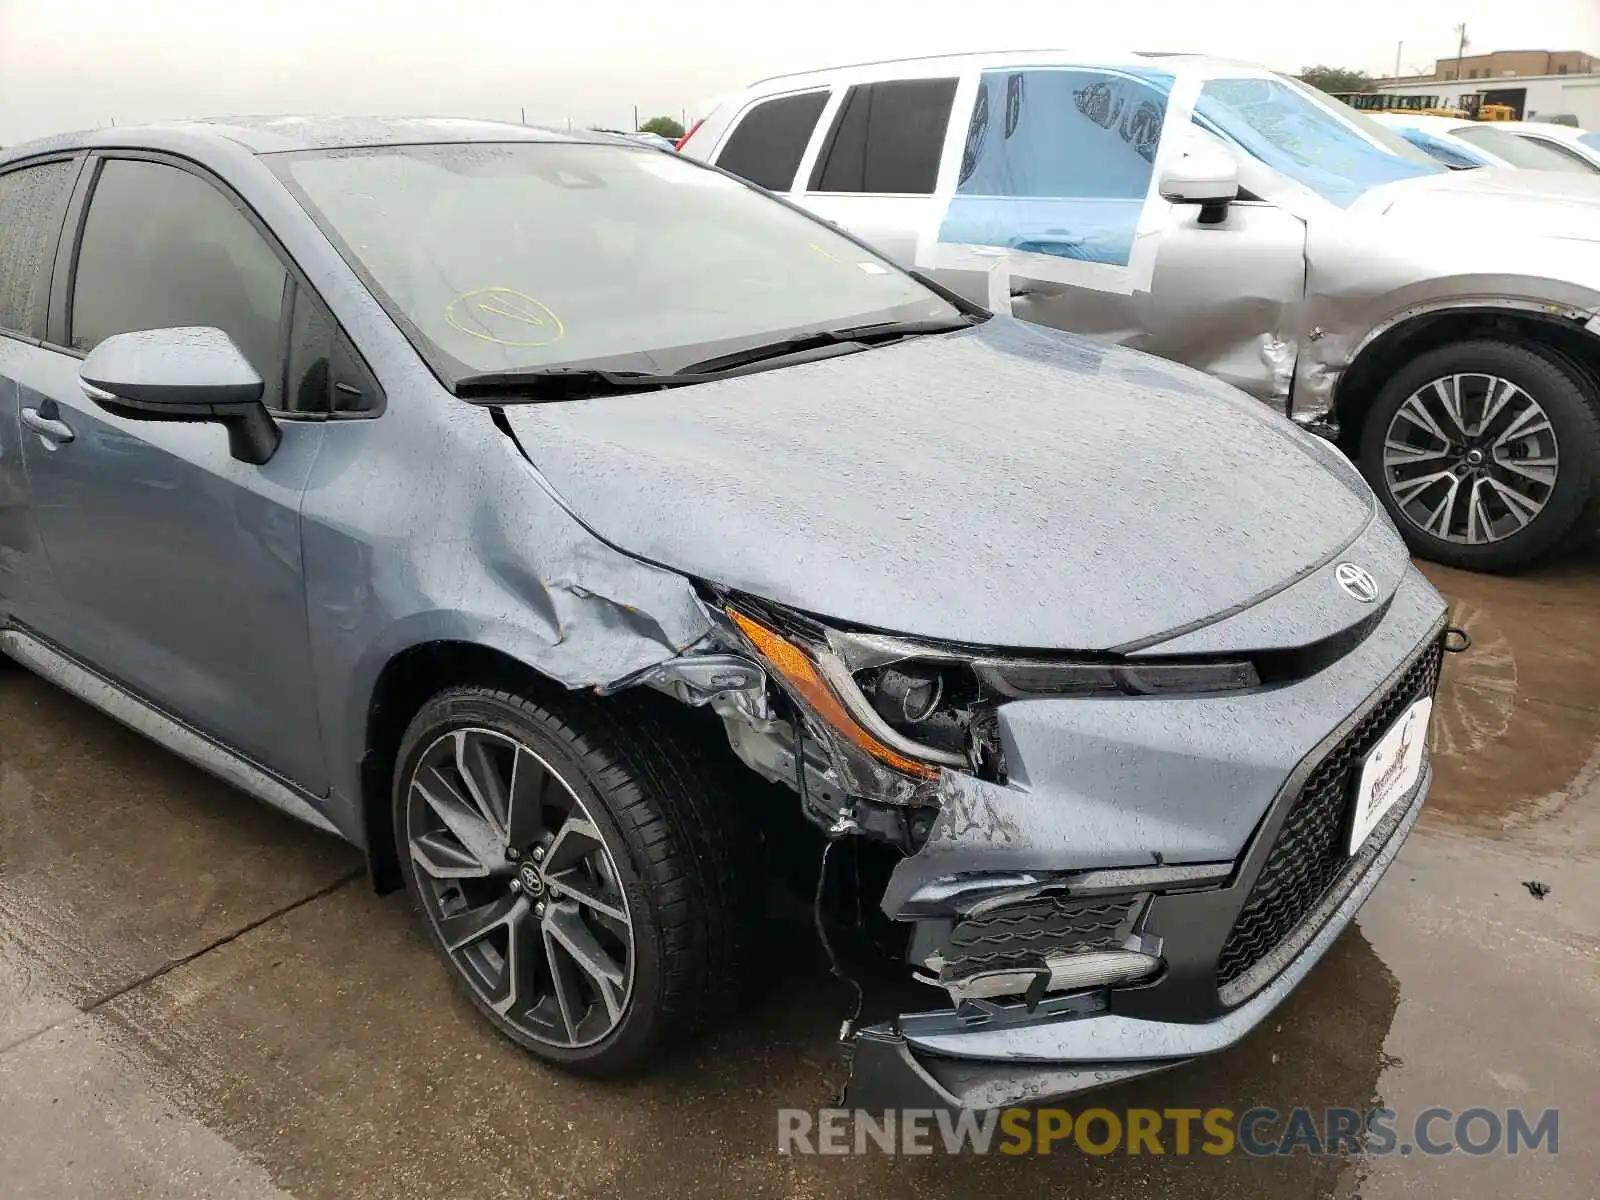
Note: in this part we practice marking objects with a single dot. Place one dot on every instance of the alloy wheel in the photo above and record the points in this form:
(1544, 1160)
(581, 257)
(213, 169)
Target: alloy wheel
(520, 887)
(1470, 458)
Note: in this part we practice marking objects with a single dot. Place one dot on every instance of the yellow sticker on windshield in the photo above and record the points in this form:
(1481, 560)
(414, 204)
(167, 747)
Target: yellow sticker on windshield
(505, 317)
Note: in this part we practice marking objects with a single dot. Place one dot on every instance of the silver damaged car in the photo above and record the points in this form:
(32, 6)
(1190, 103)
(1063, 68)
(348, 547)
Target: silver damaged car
(1443, 326)
(578, 529)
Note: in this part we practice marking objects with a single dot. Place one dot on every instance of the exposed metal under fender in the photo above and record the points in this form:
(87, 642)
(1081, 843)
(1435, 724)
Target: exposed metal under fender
(735, 688)
(140, 716)
(704, 678)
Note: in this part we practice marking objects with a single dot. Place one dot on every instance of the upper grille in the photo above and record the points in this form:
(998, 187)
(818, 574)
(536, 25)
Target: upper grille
(1309, 853)
(1018, 936)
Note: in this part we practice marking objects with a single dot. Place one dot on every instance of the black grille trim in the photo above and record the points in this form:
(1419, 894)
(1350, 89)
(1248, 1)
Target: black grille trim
(1307, 856)
(1018, 936)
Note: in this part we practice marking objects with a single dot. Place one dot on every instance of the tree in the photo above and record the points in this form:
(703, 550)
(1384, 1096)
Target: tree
(1337, 79)
(665, 126)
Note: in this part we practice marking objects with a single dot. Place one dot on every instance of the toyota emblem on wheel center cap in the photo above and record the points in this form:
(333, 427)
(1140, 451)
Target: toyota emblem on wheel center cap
(532, 882)
(1357, 581)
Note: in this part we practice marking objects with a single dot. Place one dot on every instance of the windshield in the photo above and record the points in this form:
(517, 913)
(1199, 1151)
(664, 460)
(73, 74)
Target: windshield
(519, 256)
(1592, 140)
(1311, 138)
(1518, 151)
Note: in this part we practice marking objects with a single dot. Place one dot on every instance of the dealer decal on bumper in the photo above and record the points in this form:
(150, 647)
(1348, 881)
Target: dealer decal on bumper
(1391, 770)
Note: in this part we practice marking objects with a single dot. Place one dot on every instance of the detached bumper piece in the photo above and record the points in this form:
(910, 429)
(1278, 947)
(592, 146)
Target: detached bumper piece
(1001, 1055)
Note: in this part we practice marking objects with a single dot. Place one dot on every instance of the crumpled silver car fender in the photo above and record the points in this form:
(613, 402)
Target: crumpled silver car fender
(1374, 268)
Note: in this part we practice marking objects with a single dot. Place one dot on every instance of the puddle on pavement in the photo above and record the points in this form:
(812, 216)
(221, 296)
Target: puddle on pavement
(1516, 735)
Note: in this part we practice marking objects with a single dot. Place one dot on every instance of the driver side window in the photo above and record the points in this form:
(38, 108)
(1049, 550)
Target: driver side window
(161, 248)
(1058, 161)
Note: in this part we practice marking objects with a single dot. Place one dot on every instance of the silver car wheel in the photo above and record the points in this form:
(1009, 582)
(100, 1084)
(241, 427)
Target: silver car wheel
(1470, 458)
(520, 887)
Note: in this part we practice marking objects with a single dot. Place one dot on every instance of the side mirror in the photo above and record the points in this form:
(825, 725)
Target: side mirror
(190, 374)
(1206, 175)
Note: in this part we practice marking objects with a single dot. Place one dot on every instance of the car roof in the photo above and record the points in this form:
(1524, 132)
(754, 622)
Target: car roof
(1428, 121)
(1085, 56)
(279, 134)
(1562, 133)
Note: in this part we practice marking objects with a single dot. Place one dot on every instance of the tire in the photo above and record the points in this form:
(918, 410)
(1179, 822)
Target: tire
(1521, 520)
(658, 842)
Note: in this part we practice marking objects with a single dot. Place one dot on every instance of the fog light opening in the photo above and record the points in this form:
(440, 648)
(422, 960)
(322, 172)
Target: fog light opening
(1060, 973)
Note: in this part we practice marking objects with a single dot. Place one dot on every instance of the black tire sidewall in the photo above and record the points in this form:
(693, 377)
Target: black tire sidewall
(1563, 396)
(559, 745)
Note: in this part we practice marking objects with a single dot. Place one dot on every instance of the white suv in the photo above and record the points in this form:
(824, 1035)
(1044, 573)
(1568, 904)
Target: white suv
(1443, 325)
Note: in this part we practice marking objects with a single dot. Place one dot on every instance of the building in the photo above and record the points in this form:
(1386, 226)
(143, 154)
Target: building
(1540, 97)
(1516, 64)
(1533, 83)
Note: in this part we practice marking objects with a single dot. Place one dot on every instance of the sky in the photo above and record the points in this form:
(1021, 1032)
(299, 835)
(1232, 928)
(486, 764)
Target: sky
(73, 64)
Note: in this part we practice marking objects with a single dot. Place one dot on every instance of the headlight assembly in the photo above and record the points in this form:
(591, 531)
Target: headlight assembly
(914, 708)
(830, 699)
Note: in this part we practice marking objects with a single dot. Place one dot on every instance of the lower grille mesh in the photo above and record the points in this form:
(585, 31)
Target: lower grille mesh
(1309, 853)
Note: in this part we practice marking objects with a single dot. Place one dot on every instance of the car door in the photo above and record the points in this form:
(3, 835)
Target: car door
(178, 568)
(33, 202)
(1055, 214)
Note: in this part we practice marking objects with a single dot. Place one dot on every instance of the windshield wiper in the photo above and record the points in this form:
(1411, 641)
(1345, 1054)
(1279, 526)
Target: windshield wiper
(564, 383)
(578, 383)
(863, 336)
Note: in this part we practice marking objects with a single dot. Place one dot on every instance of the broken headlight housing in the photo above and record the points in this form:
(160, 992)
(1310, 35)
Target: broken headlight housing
(893, 711)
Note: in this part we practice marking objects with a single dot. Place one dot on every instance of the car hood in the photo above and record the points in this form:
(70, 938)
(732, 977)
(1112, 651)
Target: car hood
(1006, 485)
(1512, 203)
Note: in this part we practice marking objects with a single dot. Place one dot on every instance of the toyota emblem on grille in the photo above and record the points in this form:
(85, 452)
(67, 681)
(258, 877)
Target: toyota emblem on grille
(1357, 581)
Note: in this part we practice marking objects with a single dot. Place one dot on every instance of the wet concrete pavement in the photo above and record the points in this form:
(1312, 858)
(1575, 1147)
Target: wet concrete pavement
(199, 997)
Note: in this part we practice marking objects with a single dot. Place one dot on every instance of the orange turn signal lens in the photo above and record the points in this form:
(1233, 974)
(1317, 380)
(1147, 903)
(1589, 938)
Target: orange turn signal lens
(801, 674)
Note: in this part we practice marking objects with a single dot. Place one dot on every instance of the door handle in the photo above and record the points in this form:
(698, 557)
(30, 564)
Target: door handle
(48, 427)
(1060, 247)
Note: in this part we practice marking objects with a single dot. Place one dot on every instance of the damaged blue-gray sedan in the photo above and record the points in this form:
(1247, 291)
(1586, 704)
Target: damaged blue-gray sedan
(543, 513)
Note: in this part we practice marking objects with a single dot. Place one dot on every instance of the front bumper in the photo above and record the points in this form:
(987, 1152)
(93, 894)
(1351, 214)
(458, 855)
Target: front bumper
(930, 1061)
(1270, 774)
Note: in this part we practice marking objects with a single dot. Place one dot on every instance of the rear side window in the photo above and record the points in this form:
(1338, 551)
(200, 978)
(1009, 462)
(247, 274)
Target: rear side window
(1521, 152)
(163, 248)
(1565, 152)
(767, 145)
(30, 214)
(887, 138)
(1568, 152)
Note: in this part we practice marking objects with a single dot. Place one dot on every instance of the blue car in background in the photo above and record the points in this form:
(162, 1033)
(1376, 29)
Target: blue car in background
(1464, 144)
